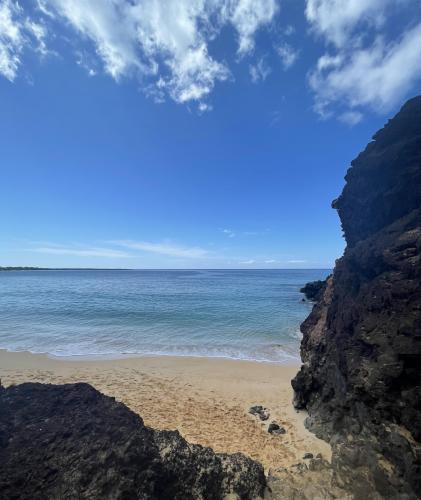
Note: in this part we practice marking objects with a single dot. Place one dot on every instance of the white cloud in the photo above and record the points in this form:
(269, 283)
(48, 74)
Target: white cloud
(259, 71)
(378, 76)
(350, 117)
(108, 25)
(16, 34)
(369, 65)
(288, 55)
(247, 262)
(82, 252)
(297, 261)
(337, 20)
(247, 17)
(164, 249)
(271, 261)
(164, 44)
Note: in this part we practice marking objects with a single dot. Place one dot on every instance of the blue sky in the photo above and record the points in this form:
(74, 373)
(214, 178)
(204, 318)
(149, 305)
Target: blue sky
(191, 133)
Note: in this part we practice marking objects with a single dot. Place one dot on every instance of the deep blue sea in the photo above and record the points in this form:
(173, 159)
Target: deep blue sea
(253, 314)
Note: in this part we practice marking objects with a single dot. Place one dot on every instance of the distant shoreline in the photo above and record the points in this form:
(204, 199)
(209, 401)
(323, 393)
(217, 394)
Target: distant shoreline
(28, 268)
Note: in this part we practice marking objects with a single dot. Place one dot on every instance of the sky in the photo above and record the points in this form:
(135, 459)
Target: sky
(191, 133)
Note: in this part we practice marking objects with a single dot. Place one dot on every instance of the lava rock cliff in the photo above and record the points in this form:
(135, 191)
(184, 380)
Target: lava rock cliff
(361, 375)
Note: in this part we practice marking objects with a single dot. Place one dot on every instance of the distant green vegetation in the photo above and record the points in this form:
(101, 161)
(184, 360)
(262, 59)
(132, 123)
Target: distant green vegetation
(28, 268)
(20, 268)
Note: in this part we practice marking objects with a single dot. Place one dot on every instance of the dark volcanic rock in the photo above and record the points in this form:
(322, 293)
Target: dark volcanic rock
(72, 442)
(260, 411)
(275, 428)
(361, 348)
(314, 290)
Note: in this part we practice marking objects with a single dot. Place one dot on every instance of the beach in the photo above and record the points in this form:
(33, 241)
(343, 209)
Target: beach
(205, 399)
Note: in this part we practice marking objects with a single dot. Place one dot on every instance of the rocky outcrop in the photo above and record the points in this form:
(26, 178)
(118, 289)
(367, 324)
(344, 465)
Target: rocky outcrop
(361, 349)
(314, 290)
(70, 442)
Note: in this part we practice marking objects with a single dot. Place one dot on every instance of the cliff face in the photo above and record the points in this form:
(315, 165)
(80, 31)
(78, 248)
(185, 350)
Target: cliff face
(361, 349)
(71, 442)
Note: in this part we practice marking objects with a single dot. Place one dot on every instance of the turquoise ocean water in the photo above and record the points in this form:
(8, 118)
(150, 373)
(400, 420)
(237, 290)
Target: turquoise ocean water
(253, 314)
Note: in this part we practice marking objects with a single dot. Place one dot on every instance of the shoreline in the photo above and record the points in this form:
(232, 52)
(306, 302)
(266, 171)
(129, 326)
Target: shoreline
(205, 399)
(288, 360)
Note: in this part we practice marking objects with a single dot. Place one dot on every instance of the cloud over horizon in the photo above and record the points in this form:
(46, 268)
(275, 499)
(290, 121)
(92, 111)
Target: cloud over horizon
(165, 248)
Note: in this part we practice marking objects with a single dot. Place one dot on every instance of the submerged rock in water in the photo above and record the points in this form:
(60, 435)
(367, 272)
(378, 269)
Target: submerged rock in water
(70, 441)
(361, 348)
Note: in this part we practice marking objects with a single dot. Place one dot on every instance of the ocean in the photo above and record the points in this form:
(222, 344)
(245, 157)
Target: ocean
(237, 314)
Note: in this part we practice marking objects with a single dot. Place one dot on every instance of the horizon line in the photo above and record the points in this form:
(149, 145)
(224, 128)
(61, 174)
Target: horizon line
(35, 268)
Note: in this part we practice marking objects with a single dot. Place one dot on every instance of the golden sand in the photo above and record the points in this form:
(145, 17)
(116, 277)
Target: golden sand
(206, 399)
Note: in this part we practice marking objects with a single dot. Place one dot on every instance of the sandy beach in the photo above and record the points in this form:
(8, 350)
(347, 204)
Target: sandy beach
(206, 399)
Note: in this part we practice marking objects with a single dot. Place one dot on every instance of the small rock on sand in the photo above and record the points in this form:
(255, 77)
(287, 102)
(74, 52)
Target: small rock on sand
(275, 428)
(260, 411)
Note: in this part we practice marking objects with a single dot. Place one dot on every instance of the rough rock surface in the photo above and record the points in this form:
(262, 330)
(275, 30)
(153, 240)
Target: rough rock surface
(305, 481)
(71, 442)
(314, 290)
(361, 349)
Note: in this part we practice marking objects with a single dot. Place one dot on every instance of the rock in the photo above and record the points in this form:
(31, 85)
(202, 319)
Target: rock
(313, 290)
(260, 411)
(275, 428)
(70, 441)
(307, 456)
(361, 379)
(264, 415)
(299, 468)
(255, 410)
(299, 482)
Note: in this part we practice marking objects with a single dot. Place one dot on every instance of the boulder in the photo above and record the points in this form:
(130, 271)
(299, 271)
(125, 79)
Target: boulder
(70, 441)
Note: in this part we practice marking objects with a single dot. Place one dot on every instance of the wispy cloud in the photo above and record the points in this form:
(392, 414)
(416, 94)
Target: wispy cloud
(82, 252)
(165, 248)
(271, 261)
(350, 117)
(247, 262)
(17, 33)
(164, 45)
(288, 55)
(289, 30)
(366, 64)
(297, 261)
(337, 20)
(229, 232)
(259, 71)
